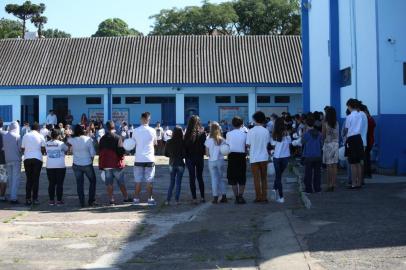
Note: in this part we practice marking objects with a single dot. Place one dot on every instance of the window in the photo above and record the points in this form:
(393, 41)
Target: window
(282, 99)
(159, 100)
(93, 100)
(345, 75)
(132, 100)
(6, 113)
(241, 99)
(116, 100)
(263, 99)
(223, 99)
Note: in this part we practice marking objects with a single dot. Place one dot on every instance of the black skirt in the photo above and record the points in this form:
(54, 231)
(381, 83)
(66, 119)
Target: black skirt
(237, 168)
(354, 149)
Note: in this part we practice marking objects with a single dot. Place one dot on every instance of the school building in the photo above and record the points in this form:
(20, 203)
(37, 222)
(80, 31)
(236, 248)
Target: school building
(357, 49)
(172, 77)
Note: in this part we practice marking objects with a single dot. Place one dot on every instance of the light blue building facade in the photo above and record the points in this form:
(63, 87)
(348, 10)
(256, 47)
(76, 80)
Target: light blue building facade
(171, 77)
(357, 49)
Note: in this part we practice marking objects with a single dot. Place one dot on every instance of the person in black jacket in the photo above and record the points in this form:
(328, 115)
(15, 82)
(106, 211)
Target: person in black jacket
(195, 150)
(175, 150)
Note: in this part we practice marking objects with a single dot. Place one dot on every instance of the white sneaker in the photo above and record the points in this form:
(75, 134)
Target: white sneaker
(151, 201)
(280, 200)
(136, 201)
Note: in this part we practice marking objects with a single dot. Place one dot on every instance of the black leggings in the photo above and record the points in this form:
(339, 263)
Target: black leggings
(195, 167)
(32, 171)
(56, 177)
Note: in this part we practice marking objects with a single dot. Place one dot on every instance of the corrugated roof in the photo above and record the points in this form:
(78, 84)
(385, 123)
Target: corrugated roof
(151, 60)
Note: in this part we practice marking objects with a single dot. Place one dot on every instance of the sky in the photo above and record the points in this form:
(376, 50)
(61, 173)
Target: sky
(80, 18)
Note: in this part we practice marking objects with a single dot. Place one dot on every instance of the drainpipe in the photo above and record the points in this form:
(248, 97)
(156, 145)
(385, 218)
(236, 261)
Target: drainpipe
(354, 46)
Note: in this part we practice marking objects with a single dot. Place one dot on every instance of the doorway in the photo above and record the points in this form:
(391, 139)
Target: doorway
(60, 107)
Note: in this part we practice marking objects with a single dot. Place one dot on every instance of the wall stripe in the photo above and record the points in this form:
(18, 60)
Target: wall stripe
(335, 95)
(306, 57)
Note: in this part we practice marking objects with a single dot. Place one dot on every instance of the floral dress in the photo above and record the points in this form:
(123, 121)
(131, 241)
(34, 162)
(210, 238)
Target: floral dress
(330, 147)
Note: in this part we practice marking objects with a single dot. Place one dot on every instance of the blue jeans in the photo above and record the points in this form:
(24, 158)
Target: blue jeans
(280, 165)
(218, 185)
(176, 173)
(80, 172)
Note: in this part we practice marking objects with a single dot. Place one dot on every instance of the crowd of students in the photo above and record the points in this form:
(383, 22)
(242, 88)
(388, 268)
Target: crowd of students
(315, 137)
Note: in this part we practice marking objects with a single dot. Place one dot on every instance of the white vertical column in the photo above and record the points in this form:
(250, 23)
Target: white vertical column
(17, 109)
(180, 109)
(42, 105)
(106, 106)
(252, 104)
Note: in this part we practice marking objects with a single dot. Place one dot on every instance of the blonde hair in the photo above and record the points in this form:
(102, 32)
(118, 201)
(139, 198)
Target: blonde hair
(215, 133)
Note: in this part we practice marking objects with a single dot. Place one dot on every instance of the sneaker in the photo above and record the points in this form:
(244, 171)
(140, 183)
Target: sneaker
(35, 202)
(28, 202)
(60, 203)
(151, 201)
(112, 203)
(129, 200)
(51, 203)
(242, 200)
(280, 200)
(136, 201)
(215, 200)
(93, 204)
(223, 199)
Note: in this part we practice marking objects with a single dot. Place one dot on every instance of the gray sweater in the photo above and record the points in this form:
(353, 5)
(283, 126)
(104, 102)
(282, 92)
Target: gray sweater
(12, 146)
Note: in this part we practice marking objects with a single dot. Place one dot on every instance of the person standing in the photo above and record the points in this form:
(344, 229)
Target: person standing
(167, 135)
(331, 135)
(258, 139)
(12, 151)
(175, 150)
(195, 150)
(51, 118)
(3, 170)
(56, 168)
(216, 163)
(33, 147)
(370, 144)
(354, 144)
(68, 118)
(111, 160)
(281, 142)
(237, 159)
(312, 145)
(25, 129)
(44, 132)
(144, 165)
(83, 155)
(159, 136)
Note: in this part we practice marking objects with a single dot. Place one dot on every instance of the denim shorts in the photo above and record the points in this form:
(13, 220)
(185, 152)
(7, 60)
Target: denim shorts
(112, 174)
(144, 174)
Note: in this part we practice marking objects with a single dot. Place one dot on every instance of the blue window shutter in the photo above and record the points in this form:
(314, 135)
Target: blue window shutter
(6, 113)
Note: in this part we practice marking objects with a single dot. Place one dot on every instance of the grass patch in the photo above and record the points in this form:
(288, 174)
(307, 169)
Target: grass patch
(140, 229)
(14, 217)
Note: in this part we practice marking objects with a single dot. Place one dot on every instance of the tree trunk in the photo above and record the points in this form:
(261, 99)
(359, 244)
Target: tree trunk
(23, 37)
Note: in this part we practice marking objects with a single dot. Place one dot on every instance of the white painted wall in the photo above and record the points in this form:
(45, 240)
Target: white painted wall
(319, 35)
(392, 24)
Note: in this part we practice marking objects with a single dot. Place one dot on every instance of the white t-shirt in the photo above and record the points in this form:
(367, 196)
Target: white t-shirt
(51, 119)
(282, 149)
(353, 123)
(145, 139)
(214, 150)
(167, 135)
(159, 133)
(56, 154)
(258, 138)
(32, 143)
(236, 139)
(364, 128)
(44, 132)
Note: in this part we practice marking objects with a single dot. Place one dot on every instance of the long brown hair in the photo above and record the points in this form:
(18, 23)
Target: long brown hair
(215, 133)
(192, 130)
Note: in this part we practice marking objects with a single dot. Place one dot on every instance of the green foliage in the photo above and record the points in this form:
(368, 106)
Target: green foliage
(264, 17)
(240, 17)
(195, 20)
(39, 22)
(10, 28)
(25, 12)
(55, 33)
(115, 28)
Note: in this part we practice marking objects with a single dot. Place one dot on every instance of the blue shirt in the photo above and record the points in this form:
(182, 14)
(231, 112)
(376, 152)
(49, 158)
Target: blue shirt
(312, 144)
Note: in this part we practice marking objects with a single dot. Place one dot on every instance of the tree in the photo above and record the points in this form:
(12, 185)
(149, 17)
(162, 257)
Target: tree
(25, 12)
(264, 17)
(39, 22)
(115, 28)
(10, 28)
(195, 20)
(55, 33)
